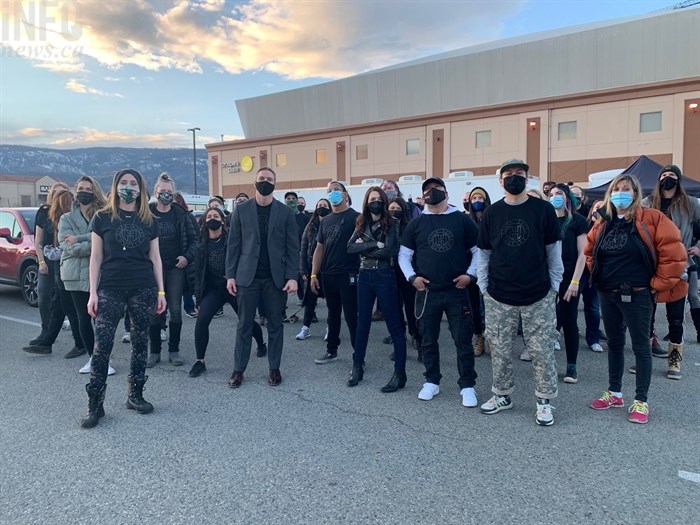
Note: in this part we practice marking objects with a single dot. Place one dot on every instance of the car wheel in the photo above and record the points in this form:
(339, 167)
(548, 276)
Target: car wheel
(30, 276)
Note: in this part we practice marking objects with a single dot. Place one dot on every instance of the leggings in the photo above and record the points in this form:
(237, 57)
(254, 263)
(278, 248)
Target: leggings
(567, 316)
(87, 333)
(141, 304)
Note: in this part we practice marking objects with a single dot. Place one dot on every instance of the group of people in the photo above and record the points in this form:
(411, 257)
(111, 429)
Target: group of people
(516, 265)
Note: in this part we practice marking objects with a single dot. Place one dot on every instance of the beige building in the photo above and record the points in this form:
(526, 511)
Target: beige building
(24, 190)
(571, 102)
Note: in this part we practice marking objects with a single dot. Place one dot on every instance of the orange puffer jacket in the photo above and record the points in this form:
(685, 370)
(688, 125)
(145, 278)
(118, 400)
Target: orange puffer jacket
(663, 240)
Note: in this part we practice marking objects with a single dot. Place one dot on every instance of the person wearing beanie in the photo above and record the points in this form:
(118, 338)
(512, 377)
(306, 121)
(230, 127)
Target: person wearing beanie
(671, 199)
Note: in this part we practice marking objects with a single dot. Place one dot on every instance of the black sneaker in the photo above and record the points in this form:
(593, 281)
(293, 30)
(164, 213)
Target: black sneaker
(388, 340)
(75, 352)
(570, 376)
(192, 314)
(37, 349)
(219, 313)
(314, 319)
(262, 350)
(326, 358)
(198, 369)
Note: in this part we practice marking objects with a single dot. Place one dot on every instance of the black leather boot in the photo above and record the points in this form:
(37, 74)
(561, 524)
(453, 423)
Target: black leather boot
(96, 399)
(398, 380)
(356, 375)
(695, 315)
(135, 400)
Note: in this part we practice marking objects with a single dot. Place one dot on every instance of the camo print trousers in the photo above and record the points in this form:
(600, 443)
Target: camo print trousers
(539, 322)
(141, 304)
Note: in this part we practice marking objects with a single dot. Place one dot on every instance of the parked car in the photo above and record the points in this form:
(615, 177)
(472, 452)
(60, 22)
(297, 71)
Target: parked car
(18, 262)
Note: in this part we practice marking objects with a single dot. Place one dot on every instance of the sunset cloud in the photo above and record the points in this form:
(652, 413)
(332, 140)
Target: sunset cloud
(90, 137)
(77, 87)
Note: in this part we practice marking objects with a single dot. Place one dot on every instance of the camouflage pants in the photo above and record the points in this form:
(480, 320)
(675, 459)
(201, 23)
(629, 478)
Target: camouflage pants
(539, 320)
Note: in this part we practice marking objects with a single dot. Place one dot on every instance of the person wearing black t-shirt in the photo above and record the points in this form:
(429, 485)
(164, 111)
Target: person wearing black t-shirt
(520, 269)
(262, 265)
(125, 271)
(443, 242)
(573, 234)
(292, 201)
(207, 275)
(337, 269)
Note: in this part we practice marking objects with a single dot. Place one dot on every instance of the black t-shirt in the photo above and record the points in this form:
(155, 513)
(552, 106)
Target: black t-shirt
(334, 233)
(302, 220)
(216, 262)
(42, 220)
(168, 240)
(442, 245)
(126, 243)
(263, 271)
(569, 250)
(621, 257)
(517, 236)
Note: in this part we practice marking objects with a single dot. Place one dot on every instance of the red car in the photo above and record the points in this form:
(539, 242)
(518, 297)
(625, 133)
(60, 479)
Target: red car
(18, 262)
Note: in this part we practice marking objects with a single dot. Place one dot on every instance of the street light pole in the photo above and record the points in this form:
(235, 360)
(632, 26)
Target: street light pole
(194, 156)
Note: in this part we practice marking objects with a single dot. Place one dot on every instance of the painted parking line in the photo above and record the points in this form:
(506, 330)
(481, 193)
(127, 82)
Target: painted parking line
(690, 476)
(16, 320)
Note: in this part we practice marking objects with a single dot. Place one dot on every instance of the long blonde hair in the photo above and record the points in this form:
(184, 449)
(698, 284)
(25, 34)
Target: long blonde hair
(62, 203)
(142, 209)
(99, 201)
(610, 210)
(57, 187)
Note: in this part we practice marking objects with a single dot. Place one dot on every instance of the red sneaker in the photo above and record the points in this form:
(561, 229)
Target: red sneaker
(606, 401)
(639, 412)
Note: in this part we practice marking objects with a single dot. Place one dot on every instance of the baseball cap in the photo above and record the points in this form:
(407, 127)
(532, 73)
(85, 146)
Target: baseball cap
(433, 180)
(515, 163)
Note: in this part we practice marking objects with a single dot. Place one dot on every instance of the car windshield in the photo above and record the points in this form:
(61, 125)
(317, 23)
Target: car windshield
(29, 216)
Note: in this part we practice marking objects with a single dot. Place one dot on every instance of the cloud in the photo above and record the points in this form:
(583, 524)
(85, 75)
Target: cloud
(77, 87)
(295, 40)
(90, 137)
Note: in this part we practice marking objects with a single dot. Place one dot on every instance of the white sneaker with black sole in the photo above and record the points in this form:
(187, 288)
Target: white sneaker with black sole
(496, 404)
(304, 334)
(126, 338)
(544, 415)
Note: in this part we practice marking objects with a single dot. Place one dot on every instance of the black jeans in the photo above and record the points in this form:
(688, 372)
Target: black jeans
(61, 307)
(430, 306)
(591, 309)
(87, 332)
(477, 304)
(675, 315)
(567, 318)
(341, 297)
(174, 283)
(407, 301)
(310, 301)
(274, 300)
(213, 300)
(636, 316)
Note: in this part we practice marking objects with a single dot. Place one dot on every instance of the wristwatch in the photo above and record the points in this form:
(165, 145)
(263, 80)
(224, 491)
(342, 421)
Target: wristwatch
(412, 278)
(472, 277)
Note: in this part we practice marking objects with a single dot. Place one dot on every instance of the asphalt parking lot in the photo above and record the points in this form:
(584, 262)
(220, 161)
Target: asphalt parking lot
(314, 451)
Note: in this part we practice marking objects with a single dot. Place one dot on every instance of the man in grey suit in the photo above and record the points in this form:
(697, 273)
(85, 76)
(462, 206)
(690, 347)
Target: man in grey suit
(261, 267)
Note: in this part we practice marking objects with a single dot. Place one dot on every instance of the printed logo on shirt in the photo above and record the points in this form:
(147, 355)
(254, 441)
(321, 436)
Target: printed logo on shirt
(332, 234)
(515, 232)
(129, 235)
(614, 241)
(166, 230)
(441, 240)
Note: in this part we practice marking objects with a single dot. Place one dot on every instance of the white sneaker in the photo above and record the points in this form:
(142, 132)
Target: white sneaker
(305, 332)
(468, 397)
(596, 347)
(544, 415)
(163, 335)
(110, 371)
(525, 356)
(557, 346)
(325, 337)
(429, 391)
(65, 325)
(86, 368)
(126, 338)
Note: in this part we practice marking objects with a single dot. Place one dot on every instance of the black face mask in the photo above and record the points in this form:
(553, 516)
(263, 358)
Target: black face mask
(668, 183)
(264, 188)
(466, 206)
(85, 197)
(397, 214)
(376, 207)
(322, 212)
(300, 208)
(213, 224)
(434, 197)
(419, 206)
(514, 184)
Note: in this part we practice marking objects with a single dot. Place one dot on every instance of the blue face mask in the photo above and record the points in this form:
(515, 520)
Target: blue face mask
(335, 197)
(477, 205)
(621, 199)
(557, 201)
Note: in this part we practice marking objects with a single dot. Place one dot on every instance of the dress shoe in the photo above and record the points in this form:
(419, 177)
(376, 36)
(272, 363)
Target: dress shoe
(236, 380)
(262, 350)
(275, 377)
(37, 349)
(75, 352)
(398, 380)
(356, 375)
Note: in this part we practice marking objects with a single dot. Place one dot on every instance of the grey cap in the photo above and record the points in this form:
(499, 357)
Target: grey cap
(515, 163)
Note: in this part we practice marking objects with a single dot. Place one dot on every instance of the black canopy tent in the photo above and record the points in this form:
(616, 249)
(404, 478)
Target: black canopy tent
(647, 171)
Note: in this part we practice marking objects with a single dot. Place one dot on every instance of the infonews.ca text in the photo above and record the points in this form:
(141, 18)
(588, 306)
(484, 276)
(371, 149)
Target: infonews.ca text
(41, 51)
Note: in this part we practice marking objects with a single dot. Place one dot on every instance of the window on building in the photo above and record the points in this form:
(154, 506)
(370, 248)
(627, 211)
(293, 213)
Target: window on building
(567, 130)
(281, 159)
(320, 156)
(361, 152)
(413, 147)
(649, 122)
(483, 139)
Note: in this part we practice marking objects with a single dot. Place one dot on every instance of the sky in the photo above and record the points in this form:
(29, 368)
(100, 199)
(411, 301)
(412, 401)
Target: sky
(139, 73)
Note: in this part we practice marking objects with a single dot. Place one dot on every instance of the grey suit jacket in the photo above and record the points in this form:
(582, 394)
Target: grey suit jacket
(244, 244)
